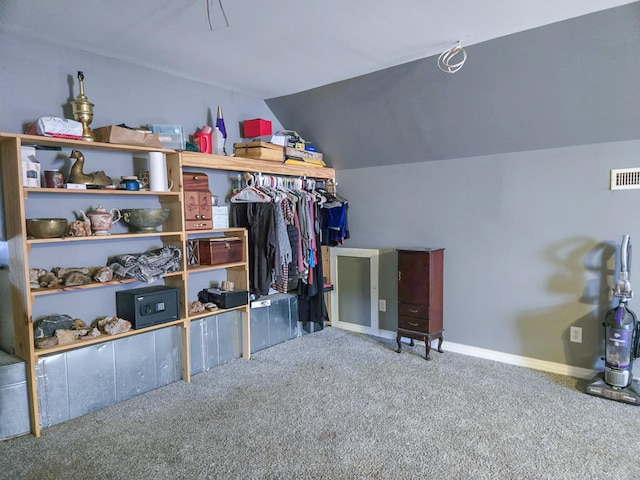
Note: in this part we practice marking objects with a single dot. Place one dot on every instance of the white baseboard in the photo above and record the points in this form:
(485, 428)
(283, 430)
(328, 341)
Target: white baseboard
(534, 363)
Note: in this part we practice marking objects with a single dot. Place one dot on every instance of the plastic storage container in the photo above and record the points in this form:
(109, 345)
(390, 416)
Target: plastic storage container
(171, 136)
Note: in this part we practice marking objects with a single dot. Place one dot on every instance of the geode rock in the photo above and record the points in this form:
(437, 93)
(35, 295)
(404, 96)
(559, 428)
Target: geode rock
(92, 333)
(104, 274)
(49, 280)
(46, 326)
(113, 325)
(196, 307)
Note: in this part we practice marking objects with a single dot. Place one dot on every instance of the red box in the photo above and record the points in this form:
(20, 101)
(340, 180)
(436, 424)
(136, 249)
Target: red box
(257, 128)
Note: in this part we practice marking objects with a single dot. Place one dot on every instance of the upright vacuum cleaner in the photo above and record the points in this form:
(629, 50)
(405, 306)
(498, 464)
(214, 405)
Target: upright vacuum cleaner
(621, 341)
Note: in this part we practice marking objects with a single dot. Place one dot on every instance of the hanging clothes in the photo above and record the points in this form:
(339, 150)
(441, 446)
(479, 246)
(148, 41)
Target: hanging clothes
(311, 305)
(286, 225)
(334, 220)
(264, 250)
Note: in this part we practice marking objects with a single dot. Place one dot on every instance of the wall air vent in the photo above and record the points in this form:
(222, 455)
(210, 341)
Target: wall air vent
(625, 178)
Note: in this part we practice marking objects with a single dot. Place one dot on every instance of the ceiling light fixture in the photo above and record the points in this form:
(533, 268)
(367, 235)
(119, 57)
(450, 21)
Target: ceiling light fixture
(446, 59)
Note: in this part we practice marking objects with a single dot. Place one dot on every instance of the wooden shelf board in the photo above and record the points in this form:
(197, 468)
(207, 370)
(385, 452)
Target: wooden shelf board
(38, 352)
(240, 164)
(218, 311)
(194, 233)
(119, 281)
(99, 191)
(34, 241)
(204, 268)
(65, 143)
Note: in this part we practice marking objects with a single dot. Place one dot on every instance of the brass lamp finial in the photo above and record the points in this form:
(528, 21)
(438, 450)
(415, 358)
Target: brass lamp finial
(83, 110)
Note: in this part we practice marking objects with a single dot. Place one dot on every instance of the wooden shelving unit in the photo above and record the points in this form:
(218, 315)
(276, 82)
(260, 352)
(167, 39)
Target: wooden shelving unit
(16, 197)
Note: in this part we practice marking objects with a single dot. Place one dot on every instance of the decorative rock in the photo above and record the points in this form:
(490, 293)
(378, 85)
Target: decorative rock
(46, 342)
(46, 326)
(65, 337)
(75, 278)
(34, 275)
(78, 228)
(78, 324)
(104, 274)
(80, 329)
(49, 280)
(62, 272)
(93, 333)
(113, 325)
(196, 307)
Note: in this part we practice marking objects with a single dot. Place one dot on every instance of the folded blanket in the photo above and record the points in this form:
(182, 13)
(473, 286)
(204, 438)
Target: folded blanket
(148, 266)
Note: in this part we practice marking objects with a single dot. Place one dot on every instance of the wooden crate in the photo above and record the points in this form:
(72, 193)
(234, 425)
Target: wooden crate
(259, 150)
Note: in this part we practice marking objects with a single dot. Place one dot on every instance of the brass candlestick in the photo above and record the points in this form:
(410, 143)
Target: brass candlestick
(83, 111)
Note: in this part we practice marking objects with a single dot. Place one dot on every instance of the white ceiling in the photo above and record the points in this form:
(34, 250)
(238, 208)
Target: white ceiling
(278, 47)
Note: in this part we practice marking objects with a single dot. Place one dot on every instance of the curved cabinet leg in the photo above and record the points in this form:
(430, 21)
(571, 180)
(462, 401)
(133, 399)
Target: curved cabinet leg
(427, 344)
(398, 337)
(440, 340)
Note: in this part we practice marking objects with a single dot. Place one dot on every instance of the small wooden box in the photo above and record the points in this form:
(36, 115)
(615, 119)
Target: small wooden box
(197, 201)
(195, 181)
(259, 150)
(216, 251)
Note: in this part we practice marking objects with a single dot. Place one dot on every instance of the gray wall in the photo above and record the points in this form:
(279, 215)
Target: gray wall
(569, 83)
(506, 165)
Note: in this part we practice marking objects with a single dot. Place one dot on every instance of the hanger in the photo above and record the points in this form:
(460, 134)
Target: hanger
(250, 194)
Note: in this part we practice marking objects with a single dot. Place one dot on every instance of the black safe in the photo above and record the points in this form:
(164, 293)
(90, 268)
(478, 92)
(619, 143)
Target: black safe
(224, 299)
(148, 306)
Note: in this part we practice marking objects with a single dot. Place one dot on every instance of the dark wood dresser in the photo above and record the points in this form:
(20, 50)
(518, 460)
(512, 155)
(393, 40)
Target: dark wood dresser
(420, 296)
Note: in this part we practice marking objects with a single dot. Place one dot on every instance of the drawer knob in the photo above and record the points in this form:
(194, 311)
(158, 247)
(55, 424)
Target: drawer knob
(413, 311)
(413, 324)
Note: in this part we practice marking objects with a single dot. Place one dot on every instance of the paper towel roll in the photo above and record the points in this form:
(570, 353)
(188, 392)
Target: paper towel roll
(158, 172)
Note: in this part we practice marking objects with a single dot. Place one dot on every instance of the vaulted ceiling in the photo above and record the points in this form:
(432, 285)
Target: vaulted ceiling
(279, 47)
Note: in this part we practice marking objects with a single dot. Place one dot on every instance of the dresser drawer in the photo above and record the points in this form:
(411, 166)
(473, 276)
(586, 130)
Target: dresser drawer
(415, 324)
(410, 310)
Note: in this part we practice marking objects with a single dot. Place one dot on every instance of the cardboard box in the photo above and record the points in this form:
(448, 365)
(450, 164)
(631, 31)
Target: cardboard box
(259, 150)
(216, 251)
(30, 167)
(126, 136)
(256, 128)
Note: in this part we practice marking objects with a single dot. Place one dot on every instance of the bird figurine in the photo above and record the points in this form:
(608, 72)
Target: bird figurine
(78, 176)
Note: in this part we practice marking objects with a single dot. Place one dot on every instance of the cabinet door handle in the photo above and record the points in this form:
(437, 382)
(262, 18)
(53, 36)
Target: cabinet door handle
(399, 276)
(413, 324)
(413, 311)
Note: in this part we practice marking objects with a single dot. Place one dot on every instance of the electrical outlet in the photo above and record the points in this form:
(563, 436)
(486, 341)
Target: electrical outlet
(575, 334)
(382, 305)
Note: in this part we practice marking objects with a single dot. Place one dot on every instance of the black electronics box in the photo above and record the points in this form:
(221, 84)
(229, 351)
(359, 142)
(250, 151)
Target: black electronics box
(225, 299)
(148, 306)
